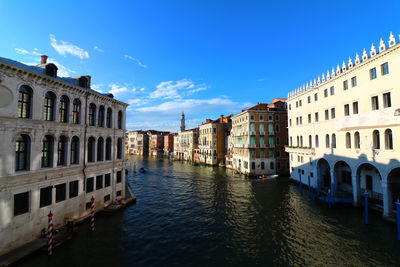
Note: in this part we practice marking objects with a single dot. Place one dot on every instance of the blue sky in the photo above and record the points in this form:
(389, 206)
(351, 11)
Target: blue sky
(203, 57)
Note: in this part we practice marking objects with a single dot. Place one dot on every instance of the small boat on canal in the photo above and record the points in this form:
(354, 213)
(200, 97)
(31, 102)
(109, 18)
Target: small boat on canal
(142, 170)
(269, 177)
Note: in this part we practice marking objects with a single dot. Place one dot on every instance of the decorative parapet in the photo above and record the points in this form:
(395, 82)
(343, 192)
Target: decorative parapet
(300, 150)
(339, 71)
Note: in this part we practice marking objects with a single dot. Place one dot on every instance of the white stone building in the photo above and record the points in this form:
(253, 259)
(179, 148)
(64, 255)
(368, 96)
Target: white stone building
(184, 144)
(61, 144)
(344, 129)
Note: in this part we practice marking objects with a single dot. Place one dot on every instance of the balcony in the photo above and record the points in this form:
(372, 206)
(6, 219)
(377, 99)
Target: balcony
(252, 145)
(271, 133)
(300, 150)
(262, 133)
(239, 145)
(271, 145)
(252, 132)
(262, 146)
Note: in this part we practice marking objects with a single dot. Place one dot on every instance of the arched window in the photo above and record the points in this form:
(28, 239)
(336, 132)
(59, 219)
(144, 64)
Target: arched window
(376, 141)
(49, 101)
(109, 118)
(277, 128)
(298, 141)
(120, 119)
(92, 114)
(76, 110)
(327, 141)
(348, 140)
(310, 141)
(316, 141)
(388, 139)
(357, 140)
(100, 149)
(270, 128)
(301, 141)
(108, 148)
(261, 127)
(101, 116)
(47, 151)
(333, 140)
(22, 152)
(62, 151)
(75, 150)
(91, 149)
(252, 128)
(262, 165)
(24, 102)
(119, 148)
(271, 165)
(63, 111)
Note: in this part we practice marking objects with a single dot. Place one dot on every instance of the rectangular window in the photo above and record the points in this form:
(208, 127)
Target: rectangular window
(99, 182)
(316, 116)
(355, 107)
(297, 104)
(88, 205)
(374, 102)
(119, 176)
(46, 196)
(290, 107)
(309, 118)
(372, 73)
(326, 114)
(290, 122)
(333, 114)
(300, 103)
(308, 99)
(119, 193)
(89, 184)
(332, 90)
(73, 189)
(301, 120)
(387, 103)
(277, 115)
(326, 93)
(297, 121)
(316, 97)
(346, 110)
(21, 203)
(345, 85)
(385, 68)
(107, 180)
(354, 81)
(107, 198)
(61, 192)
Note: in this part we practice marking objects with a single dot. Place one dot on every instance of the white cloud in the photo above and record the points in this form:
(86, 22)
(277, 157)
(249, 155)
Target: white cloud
(62, 70)
(98, 49)
(136, 60)
(177, 89)
(142, 89)
(97, 87)
(118, 89)
(260, 80)
(22, 51)
(137, 102)
(63, 48)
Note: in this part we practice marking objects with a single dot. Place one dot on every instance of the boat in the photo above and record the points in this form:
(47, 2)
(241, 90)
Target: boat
(269, 177)
(142, 170)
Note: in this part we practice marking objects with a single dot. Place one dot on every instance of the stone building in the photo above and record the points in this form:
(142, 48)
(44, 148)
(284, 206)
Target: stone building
(61, 144)
(138, 143)
(343, 129)
(156, 143)
(185, 143)
(169, 144)
(212, 140)
(259, 135)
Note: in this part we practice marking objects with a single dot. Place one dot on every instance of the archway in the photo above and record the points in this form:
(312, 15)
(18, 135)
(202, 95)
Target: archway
(324, 175)
(343, 179)
(371, 182)
(394, 185)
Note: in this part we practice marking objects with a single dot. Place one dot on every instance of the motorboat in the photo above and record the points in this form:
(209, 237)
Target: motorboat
(142, 170)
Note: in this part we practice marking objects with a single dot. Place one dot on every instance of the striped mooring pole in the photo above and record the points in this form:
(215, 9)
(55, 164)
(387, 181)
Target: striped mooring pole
(92, 214)
(50, 235)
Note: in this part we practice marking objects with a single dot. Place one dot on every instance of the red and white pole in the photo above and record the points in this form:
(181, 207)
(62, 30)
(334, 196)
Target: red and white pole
(50, 235)
(92, 214)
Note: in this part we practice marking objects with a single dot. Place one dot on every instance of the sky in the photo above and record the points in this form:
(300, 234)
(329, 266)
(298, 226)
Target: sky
(205, 58)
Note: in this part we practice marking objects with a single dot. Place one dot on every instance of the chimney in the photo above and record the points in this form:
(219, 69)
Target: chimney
(89, 78)
(258, 103)
(44, 59)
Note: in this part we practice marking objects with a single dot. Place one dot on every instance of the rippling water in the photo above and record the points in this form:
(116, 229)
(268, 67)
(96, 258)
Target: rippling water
(194, 216)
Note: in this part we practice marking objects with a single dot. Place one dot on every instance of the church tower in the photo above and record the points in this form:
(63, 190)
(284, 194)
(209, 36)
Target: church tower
(182, 122)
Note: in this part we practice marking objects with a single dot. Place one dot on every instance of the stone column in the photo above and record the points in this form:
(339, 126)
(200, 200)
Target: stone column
(356, 189)
(387, 199)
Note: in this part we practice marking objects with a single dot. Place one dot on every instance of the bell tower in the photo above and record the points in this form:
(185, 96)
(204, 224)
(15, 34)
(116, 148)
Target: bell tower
(182, 122)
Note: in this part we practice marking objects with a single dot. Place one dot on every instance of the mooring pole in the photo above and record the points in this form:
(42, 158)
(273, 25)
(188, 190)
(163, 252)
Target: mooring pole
(366, 206)
(398, 219)
(92, 214)
(301, 188)
(329, 198)
(333, 195)
(50, 235)
(317, 187)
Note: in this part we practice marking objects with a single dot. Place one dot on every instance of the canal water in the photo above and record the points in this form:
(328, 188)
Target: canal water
(196, 216)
